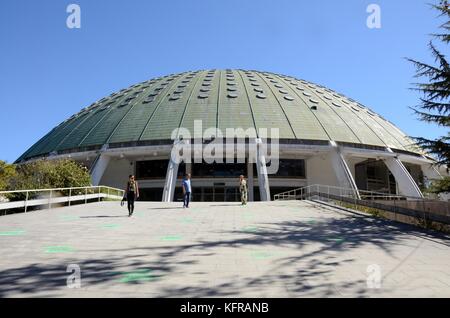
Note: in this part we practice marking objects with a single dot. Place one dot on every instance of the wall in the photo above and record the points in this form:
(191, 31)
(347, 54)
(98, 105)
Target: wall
(117, 172)
(319, 170)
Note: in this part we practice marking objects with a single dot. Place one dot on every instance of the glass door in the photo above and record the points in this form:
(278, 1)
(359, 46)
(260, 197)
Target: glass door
(232, 194)
(219, 192)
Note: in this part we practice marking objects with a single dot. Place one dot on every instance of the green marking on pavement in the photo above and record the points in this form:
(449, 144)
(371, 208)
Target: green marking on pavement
(338, 240)
(110, 226)
(251, 229)
(171, 238)
(187, 220)
(59, 249)
(261, 255)
(142, 275)
(249, 216)
(68, 217)
(12, 233)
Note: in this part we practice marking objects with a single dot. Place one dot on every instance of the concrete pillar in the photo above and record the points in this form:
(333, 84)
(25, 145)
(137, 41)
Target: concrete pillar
(342, 170)
(405, 182)
(99, 168)
(250, 182)
(261, 168)
(171, 175)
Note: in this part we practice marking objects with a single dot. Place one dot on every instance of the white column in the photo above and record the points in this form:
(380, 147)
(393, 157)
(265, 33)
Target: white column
(405, 182)
(261, 168)
(250, 179)
(342, 170)
(171, 175)
(171, 180)
(99, 168)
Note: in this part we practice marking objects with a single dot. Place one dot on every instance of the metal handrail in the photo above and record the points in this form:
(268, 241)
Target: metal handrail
(58, 189)
(363, 193)
(302, 190)
(83, 196)
(422, 211)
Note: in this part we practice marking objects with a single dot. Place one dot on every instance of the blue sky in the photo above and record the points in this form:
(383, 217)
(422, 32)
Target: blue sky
(49, 72)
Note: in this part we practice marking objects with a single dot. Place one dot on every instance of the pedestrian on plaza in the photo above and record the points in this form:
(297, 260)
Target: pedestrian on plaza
(243, 189)
(131, 193)
(187, 190)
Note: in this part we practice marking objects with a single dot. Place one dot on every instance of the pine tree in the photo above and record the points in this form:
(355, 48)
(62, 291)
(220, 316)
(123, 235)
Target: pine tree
(435, 101)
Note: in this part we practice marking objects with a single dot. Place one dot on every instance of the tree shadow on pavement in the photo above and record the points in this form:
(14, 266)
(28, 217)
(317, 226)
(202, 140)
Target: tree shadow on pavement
(306, 255)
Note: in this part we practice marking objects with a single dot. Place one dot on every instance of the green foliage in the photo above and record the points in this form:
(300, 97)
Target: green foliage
(46, 174)
(440, 186)
(7, 172)
(444, 7)
(42, 174)
(434, 104)
(369, 210)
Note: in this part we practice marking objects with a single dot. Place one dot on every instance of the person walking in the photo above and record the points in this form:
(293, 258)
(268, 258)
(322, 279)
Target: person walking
(243, 189)
(187, 189)
(132, 193)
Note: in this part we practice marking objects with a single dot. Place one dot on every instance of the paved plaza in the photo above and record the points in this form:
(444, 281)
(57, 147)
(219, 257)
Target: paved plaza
(275, 249)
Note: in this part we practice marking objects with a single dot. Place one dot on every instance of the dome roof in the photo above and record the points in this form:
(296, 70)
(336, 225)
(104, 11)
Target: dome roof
(151, 110)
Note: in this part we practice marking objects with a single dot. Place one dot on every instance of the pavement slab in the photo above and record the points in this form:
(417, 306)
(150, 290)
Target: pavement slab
(275, 249)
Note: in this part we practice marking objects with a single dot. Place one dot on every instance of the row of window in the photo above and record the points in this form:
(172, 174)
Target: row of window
(210, 194)
(156, 169)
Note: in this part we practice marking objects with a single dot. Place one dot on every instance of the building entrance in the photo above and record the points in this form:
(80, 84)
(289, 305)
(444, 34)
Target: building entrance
(217, 193)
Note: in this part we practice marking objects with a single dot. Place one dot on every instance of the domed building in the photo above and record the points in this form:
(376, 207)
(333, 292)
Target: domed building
(322, 137)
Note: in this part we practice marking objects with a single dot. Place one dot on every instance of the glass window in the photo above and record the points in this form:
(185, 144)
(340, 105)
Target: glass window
(374, 176)
(217, 170)
(288, 168)
(147, 194)
(156, 169)
(151, 169)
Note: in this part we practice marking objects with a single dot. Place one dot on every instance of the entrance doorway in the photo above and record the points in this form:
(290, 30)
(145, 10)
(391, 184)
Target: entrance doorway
(222, 193)
(217, 193)
(373, 175)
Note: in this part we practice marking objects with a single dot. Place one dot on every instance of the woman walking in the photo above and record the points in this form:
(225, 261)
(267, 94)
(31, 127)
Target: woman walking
(243, 190)
(132, 193)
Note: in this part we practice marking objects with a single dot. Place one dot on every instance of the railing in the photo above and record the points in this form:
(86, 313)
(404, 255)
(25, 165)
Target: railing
(299, 193)
(24, 199)
(397, 206)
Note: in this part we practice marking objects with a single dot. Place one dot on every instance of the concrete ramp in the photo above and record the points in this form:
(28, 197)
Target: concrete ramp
(274, 249)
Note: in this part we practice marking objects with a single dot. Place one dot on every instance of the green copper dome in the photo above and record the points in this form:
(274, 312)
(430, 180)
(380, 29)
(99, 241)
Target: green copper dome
(150, 111)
